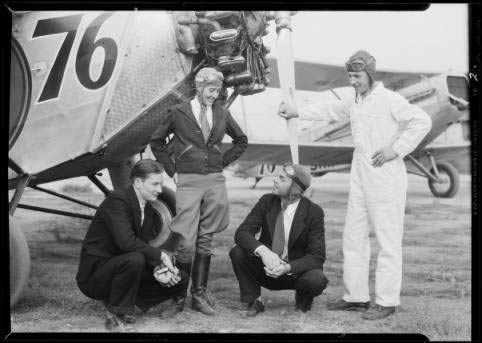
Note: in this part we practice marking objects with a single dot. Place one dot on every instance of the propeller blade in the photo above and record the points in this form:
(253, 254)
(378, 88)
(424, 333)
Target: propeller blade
(286, 72)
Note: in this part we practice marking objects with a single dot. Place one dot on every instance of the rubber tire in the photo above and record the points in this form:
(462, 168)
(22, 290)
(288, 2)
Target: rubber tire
(168, 196)
(453, 174)
(166, 208)
(19, 262)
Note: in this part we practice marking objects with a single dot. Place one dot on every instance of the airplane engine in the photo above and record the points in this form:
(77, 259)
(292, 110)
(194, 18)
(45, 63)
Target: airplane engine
(230, 41)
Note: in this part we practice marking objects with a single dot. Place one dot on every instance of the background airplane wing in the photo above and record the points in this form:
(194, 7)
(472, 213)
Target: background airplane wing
(447, 149)
(309, 153)
(312, 76)
(332, 154)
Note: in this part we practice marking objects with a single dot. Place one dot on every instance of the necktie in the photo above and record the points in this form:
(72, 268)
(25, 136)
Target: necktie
(203, 119)
(279, 232)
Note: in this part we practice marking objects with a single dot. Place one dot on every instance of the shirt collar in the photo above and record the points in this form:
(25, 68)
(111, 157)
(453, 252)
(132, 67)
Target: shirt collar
(196, 105)
(294, 204)
(378, 86)
(142, 201)
(376, 89)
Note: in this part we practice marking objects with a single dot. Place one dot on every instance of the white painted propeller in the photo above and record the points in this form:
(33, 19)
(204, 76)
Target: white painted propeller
(286, 70)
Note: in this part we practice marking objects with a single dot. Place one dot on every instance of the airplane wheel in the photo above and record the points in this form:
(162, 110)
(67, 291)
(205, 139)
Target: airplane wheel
(19, 261)
(450, 185)
(166, 208)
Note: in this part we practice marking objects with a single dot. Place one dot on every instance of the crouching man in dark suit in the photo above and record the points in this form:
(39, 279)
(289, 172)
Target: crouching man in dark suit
(117, 264)
(291, 248)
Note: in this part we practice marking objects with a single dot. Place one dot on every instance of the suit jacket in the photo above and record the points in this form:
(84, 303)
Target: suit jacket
(191, 154)
(306, 243)
(116, 229)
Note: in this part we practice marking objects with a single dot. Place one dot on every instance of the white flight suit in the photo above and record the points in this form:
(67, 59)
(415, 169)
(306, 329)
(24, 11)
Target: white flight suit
(377, 194)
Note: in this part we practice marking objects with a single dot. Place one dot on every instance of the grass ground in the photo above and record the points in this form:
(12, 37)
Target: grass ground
(436, 289)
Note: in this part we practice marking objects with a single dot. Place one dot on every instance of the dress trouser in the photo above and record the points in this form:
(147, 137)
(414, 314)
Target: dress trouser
(126, 280)
(251, 276)
(376, 200)
(202, 209)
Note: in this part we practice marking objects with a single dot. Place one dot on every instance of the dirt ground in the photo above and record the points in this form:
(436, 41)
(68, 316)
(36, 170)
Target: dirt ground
(436, 288)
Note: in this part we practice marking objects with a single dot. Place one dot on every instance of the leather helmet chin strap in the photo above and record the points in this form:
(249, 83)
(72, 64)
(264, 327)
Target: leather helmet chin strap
(200, 95)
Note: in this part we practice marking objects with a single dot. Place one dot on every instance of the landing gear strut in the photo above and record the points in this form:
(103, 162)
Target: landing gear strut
(443, 177)
(256, 180)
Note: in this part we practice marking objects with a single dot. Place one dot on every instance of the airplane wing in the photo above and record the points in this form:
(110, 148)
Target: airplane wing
(326, 153)
(447, 149)
(330, 154)
(313, 76)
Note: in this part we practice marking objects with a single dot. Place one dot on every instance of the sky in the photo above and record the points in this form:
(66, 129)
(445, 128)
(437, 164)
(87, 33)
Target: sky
(432, 40)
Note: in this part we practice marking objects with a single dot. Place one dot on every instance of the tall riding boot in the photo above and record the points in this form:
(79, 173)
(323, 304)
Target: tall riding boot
(177, 302)
(200, 273)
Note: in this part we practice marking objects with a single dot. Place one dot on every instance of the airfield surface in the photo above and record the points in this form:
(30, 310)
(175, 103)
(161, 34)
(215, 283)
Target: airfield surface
(436, 288)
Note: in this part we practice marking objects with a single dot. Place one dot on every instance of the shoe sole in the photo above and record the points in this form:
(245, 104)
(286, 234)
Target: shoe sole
(376, 318)
(353, 309)
(206, 313)
(254, 315)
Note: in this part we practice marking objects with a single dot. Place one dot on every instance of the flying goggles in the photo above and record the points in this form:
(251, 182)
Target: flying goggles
(290, 171)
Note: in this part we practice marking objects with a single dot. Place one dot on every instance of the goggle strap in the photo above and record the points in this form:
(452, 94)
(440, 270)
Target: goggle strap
(299, 183)
(293, 177)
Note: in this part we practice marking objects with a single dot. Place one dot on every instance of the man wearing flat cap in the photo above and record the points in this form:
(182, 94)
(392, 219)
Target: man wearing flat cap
(290, 251)
(385, 128)
(198, 127)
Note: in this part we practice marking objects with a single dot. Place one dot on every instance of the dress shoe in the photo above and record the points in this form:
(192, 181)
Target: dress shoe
(176, 306)
(378, 312)
(128, 318)
(303, 303)
(117, 323)
(253, 308)
(210, 298)
(342, 305)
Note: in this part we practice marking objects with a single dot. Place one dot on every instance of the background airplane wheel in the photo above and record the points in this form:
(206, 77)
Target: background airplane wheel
(450, 186)
(166, 207)
(19, 261)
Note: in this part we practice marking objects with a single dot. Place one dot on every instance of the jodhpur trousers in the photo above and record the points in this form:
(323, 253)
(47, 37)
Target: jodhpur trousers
(202, 209)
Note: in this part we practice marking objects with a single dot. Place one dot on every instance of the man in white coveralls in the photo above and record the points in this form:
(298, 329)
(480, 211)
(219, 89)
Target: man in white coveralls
(385, 128)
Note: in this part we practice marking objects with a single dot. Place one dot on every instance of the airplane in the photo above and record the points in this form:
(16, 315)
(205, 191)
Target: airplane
(328, 147)
(87, 90)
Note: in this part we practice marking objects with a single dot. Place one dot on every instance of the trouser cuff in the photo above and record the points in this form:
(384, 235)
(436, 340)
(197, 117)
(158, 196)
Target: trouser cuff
(356, 300)
(386, 304)
(248, 298)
